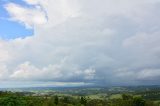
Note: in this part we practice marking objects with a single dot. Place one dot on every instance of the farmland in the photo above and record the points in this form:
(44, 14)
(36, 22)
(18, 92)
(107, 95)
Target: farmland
(81, 96)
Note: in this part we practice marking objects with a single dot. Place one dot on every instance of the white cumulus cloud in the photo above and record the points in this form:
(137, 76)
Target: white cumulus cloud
(30, 17)
(84, 41)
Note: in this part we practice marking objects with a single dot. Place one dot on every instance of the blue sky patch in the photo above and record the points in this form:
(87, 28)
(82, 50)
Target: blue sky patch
(10, 29)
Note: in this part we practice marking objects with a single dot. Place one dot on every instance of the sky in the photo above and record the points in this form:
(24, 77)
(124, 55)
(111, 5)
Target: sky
(79, 42)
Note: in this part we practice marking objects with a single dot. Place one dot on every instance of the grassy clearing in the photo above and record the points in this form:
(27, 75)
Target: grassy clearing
(116, 96)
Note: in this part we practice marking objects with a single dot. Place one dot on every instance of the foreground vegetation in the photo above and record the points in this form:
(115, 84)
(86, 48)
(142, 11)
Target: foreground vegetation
(116, 96)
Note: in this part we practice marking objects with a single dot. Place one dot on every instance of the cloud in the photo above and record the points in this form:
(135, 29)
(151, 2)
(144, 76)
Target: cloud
(30, 17)
(85, 42)
(149, 74)
(32, 2)
(56, 72)
(4, 72)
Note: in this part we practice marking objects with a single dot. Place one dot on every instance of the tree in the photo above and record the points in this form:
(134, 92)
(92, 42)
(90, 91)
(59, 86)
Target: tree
(56, 100)
(83, 101)
(138, 101)
(66, 99)
(126, 97)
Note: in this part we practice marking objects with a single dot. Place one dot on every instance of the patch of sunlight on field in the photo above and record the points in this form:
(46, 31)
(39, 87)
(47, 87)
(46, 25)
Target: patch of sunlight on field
(98, 96)
(116, 96)
(94, 97)
(157, 101)
(137, 96)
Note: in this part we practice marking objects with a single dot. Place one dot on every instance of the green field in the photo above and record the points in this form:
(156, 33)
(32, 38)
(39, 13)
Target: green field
(113, 96)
